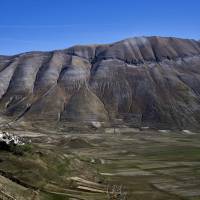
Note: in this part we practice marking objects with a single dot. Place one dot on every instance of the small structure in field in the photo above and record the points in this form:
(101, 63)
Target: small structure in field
(116, 193)
(96, 124)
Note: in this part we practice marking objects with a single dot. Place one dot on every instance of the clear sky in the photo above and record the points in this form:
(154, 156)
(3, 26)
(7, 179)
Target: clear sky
(27, 25)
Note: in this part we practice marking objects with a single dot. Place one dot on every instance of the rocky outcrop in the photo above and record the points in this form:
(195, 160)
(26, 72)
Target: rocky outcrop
(144, 81)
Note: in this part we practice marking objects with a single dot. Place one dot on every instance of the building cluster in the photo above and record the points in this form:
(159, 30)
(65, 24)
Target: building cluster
(8, 139)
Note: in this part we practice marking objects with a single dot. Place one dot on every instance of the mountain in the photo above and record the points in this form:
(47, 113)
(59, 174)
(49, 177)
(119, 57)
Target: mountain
(141, 81)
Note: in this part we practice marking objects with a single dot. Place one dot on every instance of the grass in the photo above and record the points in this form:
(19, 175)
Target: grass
(175, 153)
(45, 196)
(48, 166)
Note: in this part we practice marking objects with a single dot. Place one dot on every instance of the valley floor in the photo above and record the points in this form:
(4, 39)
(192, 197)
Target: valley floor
(147, 164)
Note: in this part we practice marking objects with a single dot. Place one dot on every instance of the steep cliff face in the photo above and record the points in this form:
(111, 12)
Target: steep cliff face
(145, 81)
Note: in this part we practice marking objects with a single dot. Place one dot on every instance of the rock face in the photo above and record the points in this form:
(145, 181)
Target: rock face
(145, 81)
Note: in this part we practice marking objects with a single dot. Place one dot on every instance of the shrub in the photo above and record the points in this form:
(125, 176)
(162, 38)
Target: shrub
(20, 149)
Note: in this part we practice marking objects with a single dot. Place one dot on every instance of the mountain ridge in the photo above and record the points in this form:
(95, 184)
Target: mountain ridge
(150, 81)
(98, 44)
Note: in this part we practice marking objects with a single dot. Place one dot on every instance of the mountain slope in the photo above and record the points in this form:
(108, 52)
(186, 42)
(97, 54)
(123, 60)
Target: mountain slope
(145, 81)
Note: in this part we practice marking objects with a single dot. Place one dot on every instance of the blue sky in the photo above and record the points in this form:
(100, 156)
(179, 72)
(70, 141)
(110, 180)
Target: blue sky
(27, 25)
